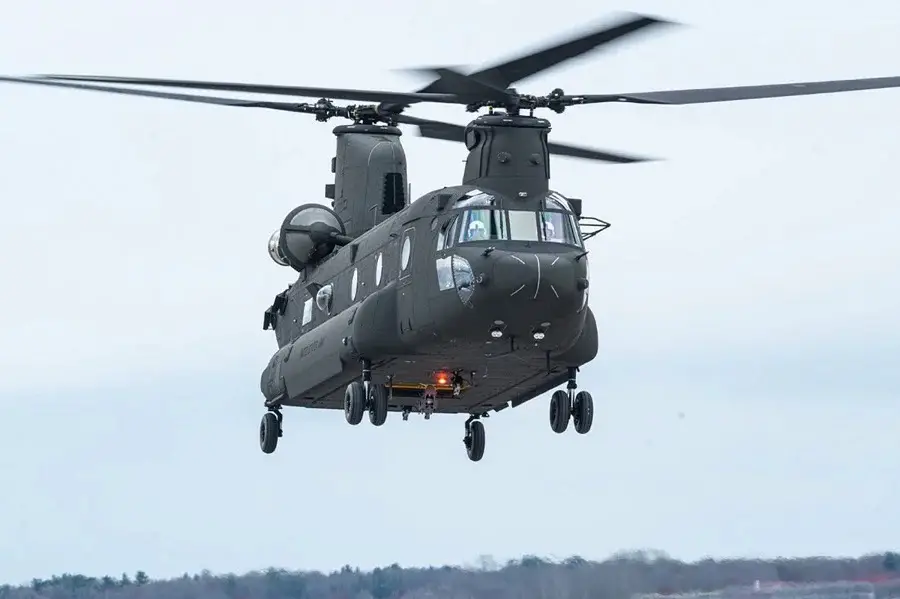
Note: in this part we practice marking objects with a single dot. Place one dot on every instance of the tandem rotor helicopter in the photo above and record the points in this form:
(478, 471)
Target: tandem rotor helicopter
(469, 300)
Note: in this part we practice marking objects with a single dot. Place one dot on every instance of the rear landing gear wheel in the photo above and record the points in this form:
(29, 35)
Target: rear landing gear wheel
(560, 411)
(354, 402)
(583, 412)
(474, 440)
(378, 404)
(269, 432)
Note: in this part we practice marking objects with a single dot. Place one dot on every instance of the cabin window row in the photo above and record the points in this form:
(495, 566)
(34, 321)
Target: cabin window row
(324, 297)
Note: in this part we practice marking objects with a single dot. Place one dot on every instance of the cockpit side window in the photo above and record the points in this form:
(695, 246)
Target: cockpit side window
(442, 236)
(554, 201)
(481, 225)
(448, 231)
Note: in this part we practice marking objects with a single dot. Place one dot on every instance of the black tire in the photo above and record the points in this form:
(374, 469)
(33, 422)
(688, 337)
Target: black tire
(475, 447)
(560, 411)
(378, 404)
(583, 412)
(269, 431)
(354, 402)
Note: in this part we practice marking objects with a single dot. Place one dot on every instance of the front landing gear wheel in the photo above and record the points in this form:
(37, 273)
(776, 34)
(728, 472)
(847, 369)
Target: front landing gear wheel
(269, 431)
(378, 404)
(474, 440)
(583, 412)
(354, 402)
(560, 411)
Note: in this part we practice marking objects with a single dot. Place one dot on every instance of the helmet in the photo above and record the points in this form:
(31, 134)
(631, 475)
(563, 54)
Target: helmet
(476, 229)
(549, 230)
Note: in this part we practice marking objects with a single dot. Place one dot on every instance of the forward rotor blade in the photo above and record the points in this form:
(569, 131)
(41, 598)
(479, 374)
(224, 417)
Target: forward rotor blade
(745, 92)
(278, 90)
(467, 85)
(505, 74)
(286, 106)
(591, 154)
(450, 132)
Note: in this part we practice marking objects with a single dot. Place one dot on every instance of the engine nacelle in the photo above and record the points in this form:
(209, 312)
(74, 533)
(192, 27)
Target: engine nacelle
(307, 236)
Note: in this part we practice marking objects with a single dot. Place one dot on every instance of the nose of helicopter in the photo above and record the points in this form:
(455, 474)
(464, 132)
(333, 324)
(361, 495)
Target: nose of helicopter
(548, 280)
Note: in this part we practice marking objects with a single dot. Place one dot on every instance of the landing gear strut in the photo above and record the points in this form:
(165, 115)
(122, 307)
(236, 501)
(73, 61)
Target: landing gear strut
(362, 396)
(474, 439)
(579, 406)
(270, 430)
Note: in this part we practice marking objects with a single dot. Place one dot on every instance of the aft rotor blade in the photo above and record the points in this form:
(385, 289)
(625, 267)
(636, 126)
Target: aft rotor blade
(278, 90)
(450, 132)
(745, 92)
(286, 106)
(434, 129)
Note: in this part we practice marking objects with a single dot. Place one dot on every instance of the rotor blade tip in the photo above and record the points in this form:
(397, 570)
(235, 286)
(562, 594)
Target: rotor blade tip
(666, 22)
(652, 19)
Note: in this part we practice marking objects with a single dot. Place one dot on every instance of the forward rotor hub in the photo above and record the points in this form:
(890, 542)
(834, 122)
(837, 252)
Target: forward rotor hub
(555, 101)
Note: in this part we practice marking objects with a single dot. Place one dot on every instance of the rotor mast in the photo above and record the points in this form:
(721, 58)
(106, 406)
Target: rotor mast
(508, 153)
(370, 178)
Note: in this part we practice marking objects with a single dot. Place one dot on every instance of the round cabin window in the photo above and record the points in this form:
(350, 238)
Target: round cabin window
(405, 252)
(378, 268)
(354, 281)
(324, 299)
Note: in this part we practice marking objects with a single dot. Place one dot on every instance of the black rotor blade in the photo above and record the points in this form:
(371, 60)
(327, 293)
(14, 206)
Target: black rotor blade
(450, 132)
(591, 154)
(428, 128)
(744, 92)
(505, 74)
(286, 106)
(467, 85)
(435, 129)
(278, 90)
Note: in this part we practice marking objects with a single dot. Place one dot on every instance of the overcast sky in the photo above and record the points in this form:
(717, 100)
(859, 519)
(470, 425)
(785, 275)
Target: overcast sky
(747, 383)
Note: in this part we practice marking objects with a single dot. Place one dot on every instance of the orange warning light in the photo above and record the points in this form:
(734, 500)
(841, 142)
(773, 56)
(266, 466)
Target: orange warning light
(442, 378)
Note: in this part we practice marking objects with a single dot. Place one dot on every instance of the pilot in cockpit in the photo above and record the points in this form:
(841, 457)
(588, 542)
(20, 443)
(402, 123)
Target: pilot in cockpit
(550, 232)
(477, 231)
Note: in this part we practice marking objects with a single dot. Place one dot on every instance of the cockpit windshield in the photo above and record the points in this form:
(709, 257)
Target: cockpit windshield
(523, 226)
(479, 220)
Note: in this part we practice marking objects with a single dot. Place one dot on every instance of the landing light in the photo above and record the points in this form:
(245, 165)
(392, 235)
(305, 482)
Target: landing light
(538, 335)
(442, 378)
(496, 332)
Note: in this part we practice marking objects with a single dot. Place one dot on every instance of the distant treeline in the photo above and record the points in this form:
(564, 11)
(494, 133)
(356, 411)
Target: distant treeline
(528, 578)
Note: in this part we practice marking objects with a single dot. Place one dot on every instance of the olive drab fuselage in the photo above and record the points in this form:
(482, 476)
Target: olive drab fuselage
(488, 279)
(421, 283)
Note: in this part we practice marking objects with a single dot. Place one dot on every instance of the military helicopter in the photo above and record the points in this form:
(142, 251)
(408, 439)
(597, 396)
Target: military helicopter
(469, 300)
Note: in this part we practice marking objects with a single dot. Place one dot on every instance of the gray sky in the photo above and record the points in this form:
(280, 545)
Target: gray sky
(747, 295)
